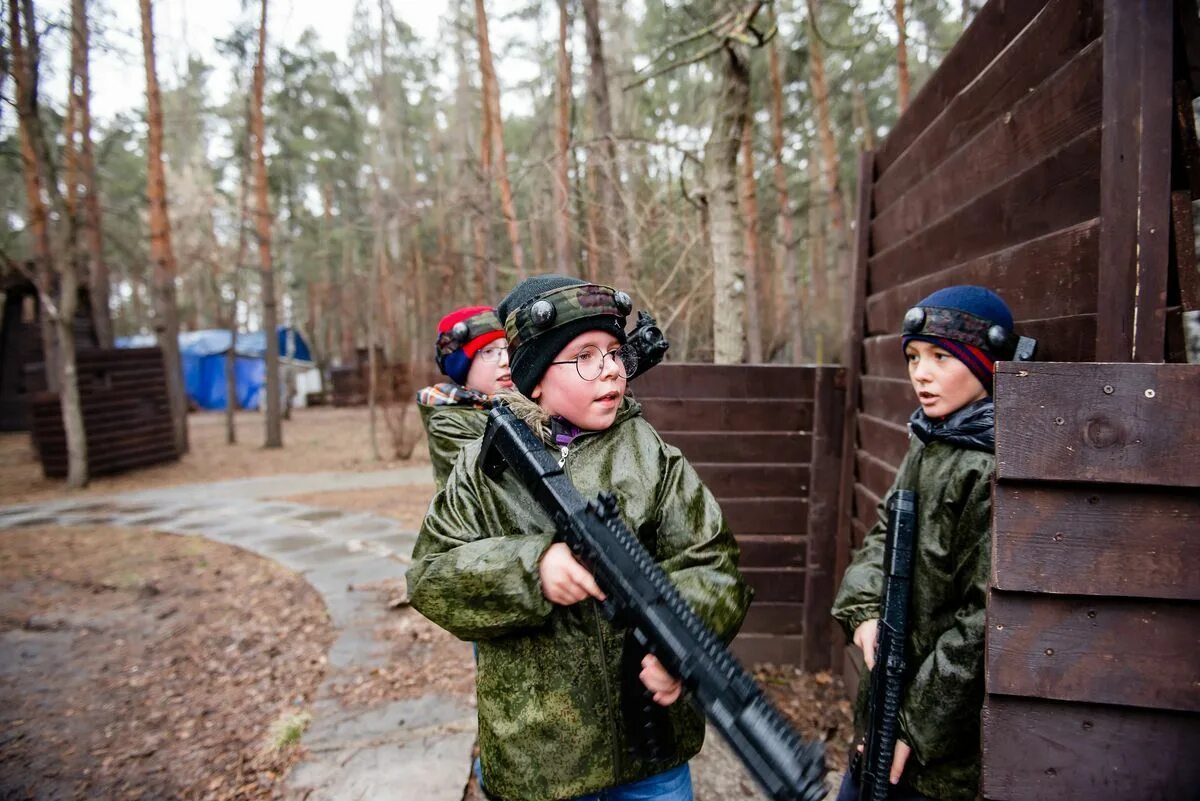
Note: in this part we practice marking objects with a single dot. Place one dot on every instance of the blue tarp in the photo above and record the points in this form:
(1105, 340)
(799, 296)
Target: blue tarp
(203, 357)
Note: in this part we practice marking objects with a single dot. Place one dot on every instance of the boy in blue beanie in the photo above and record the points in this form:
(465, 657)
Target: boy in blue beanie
(952, 340)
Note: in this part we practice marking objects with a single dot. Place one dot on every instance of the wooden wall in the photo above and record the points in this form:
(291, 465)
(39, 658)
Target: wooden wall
(1093, 644)
(766, 440)
(126, 415)
(1037, 161)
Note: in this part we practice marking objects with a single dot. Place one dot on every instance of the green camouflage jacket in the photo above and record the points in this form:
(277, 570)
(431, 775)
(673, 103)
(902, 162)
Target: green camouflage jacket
(452, 416)
(548, 676)
(940, 714)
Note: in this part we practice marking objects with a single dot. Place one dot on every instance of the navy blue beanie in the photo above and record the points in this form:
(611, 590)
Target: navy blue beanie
(976, 301)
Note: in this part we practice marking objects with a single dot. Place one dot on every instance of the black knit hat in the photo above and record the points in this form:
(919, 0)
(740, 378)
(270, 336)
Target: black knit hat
(530, 357)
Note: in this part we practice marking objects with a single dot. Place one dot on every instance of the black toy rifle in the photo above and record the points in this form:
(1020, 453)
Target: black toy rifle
(640, 596)
(887, 678)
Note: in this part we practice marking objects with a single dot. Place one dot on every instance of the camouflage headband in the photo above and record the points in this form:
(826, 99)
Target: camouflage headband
(465, 331)
(558, 307)
(960, 326)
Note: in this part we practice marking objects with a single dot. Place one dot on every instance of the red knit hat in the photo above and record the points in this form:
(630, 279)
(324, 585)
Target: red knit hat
(461, 334)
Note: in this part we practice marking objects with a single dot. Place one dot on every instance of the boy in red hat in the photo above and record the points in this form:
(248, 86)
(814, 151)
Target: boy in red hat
(473, 353)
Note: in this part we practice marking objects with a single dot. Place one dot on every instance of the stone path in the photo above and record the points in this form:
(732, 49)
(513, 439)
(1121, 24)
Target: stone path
(415, 750)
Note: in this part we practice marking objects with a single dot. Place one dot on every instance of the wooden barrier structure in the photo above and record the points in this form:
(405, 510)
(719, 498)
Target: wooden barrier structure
(766, 440)
(1053, 157)
(1093, 643)
(126, 415)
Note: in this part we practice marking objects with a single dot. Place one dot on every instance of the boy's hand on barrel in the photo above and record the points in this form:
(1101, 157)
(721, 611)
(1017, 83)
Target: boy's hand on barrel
(864, 638)
(666, 688)
(564, 580)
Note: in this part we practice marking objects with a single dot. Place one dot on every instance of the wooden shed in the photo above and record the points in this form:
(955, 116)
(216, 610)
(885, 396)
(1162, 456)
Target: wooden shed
(1052, 157)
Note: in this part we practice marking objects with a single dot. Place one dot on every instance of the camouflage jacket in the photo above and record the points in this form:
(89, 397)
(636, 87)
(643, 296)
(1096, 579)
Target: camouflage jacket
(452, 416)
(549, 676)
(939, 717)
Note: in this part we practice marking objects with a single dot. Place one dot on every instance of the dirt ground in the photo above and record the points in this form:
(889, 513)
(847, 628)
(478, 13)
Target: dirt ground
(135, 664)
(315, 440)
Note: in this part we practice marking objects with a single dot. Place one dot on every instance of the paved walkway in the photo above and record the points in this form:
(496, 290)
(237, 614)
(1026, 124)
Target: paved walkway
(415, 750)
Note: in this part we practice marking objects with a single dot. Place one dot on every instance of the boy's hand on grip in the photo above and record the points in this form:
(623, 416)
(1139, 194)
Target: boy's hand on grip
(564, 580)
(899, 759)
(864, 637)
(666, 688)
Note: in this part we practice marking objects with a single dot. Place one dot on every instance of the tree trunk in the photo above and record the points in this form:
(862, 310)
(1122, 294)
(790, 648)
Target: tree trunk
(274, 425)
(785, 266)
(754, 333)
(817, 270)
(720, 158)
(495, 129)
(820, 93)
(902, 56)
(562, 141)
(863, 119)
(610, 240)
(166, 311)
(628, 174)
(373, 297)
(98, 280)
(231, 397)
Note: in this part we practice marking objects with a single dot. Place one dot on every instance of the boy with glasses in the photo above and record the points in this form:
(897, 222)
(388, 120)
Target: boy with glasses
(559, 687)
(472, 352)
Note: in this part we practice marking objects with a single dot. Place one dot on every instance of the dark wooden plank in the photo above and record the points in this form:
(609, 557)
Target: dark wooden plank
(754, 480)
(1135, 169)
(774, 618)
(886, 441)
(721, 446)
(1060, 30)
(758, 649)
(874, 473)
(776, 585)
(1060, 191)
(1064, 107)
(1184, 262)
(696, 380)
(866, 507)
(1131, 652)
(748, 516)
(1051, 276)
(1121, 423)
(772, 550)
(1050, 751)
(1076, 539)
(889, 399)
(823, 507)
(852, 360)
(860, 532)
(992, 29)
(668, 415)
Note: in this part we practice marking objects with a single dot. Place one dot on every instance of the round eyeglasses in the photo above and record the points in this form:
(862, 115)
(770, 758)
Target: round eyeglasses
(590, 362)
(491, 354)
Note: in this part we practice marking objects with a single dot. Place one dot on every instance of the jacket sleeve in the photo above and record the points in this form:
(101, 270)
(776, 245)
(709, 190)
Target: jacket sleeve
(945, 694)
(448, 434)
(859, 598)
(697, 549)
(471, 583)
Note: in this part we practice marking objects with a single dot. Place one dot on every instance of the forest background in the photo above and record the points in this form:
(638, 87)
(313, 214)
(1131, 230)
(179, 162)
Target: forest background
(700, 154)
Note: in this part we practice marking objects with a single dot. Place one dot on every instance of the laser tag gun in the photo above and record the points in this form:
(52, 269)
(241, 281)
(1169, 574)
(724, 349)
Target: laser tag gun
(648, 342)
(640, 596)
(887, 679)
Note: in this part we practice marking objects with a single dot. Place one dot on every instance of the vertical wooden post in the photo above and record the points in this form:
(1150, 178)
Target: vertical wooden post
(852, 362)
(1135, 181)
(825, 477)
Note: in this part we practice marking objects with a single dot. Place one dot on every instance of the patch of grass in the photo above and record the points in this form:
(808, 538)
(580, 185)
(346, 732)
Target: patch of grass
(287, 730)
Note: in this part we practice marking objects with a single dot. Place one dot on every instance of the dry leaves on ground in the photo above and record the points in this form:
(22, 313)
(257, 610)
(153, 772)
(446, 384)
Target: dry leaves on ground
(142, 665)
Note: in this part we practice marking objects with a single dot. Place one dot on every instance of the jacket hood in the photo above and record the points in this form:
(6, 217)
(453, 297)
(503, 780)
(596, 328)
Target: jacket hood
(972, 427)
(534, 416)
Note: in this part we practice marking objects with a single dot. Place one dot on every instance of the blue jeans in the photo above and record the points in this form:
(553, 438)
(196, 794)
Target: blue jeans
(672, 785)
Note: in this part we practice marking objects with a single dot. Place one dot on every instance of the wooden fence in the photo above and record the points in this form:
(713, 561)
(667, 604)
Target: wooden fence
(126, 416)
(766, 440)
(1036, 161)
(1093, 643)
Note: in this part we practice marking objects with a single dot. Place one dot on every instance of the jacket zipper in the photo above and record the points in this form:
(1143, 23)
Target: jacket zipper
(610, 704)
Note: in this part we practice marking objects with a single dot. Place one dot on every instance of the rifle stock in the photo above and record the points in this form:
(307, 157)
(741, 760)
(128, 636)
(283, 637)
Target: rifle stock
(640, 596)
